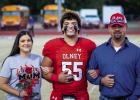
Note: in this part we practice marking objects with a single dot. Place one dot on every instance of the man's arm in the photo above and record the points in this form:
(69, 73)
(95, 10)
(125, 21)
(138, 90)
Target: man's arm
(47, 68)
(48, 74)
(137, 86)
(94, 76)
(93, 65)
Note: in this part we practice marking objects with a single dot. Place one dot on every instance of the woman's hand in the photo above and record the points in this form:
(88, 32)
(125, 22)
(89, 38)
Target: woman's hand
(23, 93)
(47, 70)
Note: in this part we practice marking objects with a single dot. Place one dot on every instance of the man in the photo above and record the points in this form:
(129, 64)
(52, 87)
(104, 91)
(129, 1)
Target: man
(118, 62)
(68, 58)
(31, 23)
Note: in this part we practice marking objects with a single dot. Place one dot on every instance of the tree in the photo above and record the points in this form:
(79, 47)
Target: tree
(130, 6)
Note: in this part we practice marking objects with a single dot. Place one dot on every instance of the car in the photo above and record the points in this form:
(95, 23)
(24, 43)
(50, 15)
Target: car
(90, 18)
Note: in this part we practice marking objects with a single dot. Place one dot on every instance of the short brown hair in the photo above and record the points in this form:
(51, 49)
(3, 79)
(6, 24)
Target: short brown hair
(69, 15)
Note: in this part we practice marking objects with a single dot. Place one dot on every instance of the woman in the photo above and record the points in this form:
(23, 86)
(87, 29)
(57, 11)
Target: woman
(20, 76)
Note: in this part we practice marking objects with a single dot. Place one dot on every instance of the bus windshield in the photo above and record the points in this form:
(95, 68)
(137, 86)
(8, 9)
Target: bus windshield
(51, 12)
(11, 13)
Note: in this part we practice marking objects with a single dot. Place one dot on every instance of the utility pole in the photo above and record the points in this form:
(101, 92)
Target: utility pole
(59, 4)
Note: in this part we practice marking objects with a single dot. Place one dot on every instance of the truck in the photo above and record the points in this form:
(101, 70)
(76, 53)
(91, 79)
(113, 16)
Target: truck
(107, 11)
(90, 18)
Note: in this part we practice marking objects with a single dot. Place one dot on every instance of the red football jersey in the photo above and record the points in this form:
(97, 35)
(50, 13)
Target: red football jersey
(71, 58)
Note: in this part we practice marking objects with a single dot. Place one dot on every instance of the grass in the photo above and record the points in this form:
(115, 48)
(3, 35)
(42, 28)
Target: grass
(6, 43)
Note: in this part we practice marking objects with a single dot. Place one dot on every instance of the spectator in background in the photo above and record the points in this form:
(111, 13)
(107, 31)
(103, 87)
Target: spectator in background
(118, 62)
(31, 25)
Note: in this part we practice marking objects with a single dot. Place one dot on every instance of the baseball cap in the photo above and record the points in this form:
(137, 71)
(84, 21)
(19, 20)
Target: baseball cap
(118, 19)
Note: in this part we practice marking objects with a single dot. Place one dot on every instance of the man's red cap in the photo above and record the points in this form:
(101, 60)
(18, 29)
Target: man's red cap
(118, 19)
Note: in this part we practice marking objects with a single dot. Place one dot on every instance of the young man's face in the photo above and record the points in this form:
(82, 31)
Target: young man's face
(117, 32)
(70, 27)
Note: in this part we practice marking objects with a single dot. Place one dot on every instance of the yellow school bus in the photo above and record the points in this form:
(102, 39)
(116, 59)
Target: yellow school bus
(50, 15)
(14, 16)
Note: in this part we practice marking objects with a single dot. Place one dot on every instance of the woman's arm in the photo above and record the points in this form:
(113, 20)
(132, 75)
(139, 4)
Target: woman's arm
(5, 87)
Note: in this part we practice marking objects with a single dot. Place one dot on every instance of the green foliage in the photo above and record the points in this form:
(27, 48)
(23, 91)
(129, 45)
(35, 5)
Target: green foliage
(130, 6)
(23, 86)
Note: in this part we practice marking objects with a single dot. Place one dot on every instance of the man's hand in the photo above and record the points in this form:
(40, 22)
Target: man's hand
(64, 77)
(108, 81)
(93, 73)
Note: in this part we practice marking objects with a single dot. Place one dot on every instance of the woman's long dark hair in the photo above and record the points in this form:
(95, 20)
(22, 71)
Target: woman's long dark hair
(15, 49)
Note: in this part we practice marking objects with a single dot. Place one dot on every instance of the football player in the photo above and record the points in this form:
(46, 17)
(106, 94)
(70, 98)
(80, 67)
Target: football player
(68, 58)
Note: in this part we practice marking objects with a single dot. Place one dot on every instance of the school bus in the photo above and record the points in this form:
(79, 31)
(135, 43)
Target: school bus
(50, 15)
(14, 16)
